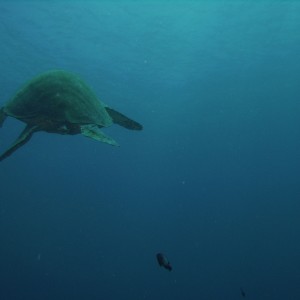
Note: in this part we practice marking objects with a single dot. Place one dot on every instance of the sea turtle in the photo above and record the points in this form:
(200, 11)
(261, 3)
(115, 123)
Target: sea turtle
(60, 102)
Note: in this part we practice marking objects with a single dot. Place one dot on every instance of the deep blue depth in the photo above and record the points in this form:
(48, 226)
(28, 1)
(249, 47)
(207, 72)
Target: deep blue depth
(212, 181)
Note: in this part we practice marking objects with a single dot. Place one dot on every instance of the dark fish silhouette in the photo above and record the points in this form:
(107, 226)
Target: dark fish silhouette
(163, 261)
(243, 293)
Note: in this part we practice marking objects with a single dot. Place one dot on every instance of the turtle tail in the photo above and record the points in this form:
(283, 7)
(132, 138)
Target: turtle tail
(2, 116)
(122, 120)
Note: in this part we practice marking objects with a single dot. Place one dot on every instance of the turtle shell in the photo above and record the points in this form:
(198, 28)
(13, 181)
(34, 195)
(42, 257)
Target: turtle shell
(59, 97)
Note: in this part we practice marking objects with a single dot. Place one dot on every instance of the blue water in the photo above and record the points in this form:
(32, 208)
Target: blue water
(212, 181)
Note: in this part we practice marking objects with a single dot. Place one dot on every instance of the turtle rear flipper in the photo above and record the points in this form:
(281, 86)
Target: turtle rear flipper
(122, 120)
(23, 138)
(2, 116)
(92, 131)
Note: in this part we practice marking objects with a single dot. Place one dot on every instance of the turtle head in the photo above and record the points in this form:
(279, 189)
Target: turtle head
(60, 128)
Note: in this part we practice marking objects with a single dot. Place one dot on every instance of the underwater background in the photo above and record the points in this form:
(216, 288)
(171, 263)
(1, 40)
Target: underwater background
(212, 181)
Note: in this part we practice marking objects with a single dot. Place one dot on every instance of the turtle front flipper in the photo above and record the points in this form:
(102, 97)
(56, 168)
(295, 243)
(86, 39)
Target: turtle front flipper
(92, 131)
(23, 138)
(2, 116)
(122, 120)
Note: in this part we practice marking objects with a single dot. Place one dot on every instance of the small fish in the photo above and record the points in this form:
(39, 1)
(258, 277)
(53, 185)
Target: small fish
(243, 293)
(163, 261)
